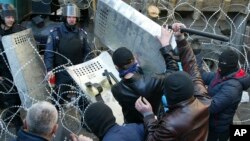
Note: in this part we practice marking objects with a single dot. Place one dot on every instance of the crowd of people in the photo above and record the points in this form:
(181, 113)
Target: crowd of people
(201, 104)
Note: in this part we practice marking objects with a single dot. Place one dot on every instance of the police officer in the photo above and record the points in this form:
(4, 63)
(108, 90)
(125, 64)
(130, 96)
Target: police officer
(8, 92)
(66, 45)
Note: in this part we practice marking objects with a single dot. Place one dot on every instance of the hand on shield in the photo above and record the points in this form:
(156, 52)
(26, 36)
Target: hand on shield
(165, 37)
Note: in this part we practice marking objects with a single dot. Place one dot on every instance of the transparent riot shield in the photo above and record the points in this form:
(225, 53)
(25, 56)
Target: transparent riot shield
(27, 67)
(95, 77)
(119, 25)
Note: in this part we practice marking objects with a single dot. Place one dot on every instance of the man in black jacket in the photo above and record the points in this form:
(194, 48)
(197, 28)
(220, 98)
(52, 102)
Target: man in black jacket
(135, 84)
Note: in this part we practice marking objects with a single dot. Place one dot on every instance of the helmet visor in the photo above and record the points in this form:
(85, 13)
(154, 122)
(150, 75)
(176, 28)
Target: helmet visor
(71, 10)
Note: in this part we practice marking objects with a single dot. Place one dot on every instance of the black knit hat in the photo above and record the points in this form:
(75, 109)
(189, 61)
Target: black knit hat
(122, 56)
(99, 118)
(228, 62)
(178, 87)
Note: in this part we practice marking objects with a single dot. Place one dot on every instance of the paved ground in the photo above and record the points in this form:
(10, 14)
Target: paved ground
(242, 115)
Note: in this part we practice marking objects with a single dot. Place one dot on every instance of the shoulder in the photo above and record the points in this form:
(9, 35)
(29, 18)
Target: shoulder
(55, 29)
(54, 32)
(232, 83)
(229, 87)
(18, 27)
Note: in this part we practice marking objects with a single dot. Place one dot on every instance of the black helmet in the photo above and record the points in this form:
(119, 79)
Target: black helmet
(7, 10)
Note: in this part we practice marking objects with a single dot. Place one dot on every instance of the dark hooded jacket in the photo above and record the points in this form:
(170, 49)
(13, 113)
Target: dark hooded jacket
(226, 93)
(126, 132)
(26, 136)
(127, 91)
(187, 120)
(101, 121)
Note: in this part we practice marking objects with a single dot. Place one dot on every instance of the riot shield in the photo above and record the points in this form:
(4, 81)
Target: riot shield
(27, 67)
(96, 77)
(119, 25)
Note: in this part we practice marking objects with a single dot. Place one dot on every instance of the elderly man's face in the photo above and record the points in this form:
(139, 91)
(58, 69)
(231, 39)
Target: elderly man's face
(71, 20)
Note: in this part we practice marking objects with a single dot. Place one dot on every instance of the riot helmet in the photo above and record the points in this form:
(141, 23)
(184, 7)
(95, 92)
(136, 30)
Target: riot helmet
(70, 10)
(8, 15)
(7, 10)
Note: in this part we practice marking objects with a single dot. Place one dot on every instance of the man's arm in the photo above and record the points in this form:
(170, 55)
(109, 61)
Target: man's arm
(224, 97)
(166, 50)
(49, 52)
(156, 130)
(86, 46)
(189, 64)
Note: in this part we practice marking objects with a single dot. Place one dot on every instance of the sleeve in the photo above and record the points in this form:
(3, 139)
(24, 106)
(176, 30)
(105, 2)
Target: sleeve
(189, 64)
(86, 46)
(116, 94)
(207, 77)
(171, 64)
(49, 52)
(18, 27)
(158, 130)
(224, 97)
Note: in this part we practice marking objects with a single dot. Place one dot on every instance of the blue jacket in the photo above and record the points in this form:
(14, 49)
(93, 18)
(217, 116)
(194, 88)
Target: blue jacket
(226, 94)
(126, 132)
(26, 136)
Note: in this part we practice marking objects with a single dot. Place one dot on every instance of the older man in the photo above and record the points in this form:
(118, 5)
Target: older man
(40, 123)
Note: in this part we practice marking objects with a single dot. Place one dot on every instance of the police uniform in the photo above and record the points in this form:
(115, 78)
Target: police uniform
(65, 48)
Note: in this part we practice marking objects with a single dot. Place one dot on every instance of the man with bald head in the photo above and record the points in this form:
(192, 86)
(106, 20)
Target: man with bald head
(40, 123)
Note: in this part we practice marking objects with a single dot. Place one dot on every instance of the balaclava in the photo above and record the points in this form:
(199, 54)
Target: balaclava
(178, 87)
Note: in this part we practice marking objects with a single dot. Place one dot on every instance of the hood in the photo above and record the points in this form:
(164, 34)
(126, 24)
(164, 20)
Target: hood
(99, 118)
(243, 78)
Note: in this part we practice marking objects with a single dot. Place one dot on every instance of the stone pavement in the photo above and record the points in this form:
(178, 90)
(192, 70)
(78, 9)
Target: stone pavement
(242, 115)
